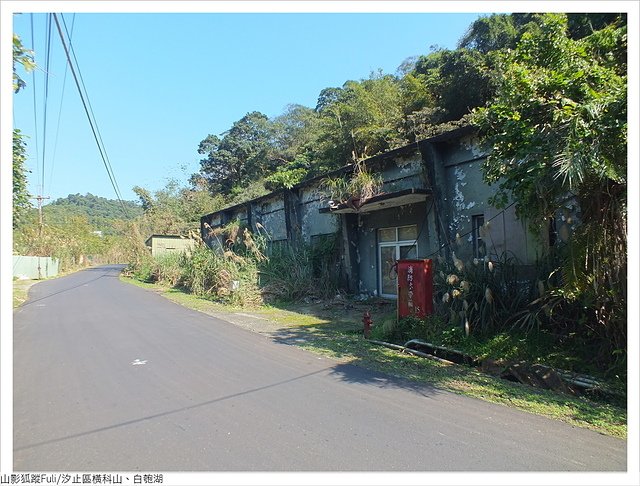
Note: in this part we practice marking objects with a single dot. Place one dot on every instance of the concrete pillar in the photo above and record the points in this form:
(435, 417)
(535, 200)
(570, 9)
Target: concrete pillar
(349, 239)
(437, 181)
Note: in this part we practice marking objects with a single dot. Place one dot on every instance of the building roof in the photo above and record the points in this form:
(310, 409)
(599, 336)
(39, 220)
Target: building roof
(180, 237)
(345, 169)
(381, 201)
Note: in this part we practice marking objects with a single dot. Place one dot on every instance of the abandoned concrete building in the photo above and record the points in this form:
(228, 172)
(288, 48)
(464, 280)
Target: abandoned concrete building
(433, 201)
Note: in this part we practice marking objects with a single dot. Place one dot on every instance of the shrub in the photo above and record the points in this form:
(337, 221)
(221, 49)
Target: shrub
(143, 269)
(169, 269)
(302, 270)
(221, 275)
(483, 296)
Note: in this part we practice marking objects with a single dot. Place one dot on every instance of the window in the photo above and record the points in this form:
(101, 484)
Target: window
(394, 244)
(477, 232)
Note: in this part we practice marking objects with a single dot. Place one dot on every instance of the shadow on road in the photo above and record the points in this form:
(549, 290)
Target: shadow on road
(355, 374)
(107, 268)
(343, 345)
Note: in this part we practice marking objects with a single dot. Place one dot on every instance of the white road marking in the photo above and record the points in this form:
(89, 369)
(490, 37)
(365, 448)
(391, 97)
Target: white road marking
(139, 362)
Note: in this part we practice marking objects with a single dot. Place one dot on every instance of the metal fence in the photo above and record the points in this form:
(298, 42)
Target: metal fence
(34, 267)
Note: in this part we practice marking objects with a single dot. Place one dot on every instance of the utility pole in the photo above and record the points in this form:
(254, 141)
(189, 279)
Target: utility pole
(40, 198)
(40, 220)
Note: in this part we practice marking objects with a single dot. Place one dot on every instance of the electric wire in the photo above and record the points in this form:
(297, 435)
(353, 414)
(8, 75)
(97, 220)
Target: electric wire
(117, 188)
(64, 84)
(91, 122)
(35, 105)
(46, 97)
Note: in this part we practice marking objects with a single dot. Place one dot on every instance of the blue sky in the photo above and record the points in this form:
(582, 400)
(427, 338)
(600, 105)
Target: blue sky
(159, 83)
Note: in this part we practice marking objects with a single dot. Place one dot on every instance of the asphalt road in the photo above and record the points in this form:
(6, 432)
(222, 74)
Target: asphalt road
(111, 377)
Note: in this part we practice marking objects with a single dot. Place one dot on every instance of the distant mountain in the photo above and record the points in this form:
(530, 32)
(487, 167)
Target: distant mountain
(100, 211)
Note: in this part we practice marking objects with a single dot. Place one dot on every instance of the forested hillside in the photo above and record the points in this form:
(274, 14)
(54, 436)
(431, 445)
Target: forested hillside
(429, 94)
(99, 211)
(77, 229)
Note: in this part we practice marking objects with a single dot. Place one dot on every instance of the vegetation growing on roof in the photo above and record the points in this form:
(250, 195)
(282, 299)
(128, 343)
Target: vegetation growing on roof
(353, 188)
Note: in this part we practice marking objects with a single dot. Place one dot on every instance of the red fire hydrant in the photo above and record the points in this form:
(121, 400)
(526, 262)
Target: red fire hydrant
(366, 320)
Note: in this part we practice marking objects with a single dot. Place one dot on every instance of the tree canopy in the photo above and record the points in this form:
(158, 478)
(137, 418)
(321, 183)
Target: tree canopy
(100, 212)
(240, 156)
(175, 210)
(557, 128)
(21, 204)
(429, 94)
(557, 123)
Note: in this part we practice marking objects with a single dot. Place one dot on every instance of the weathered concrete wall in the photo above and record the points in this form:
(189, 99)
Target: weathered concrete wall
(449, 167)
(285, 215)
(163, 245)
(507, 234)
(34, 267)
(368, 249)
(466, 195)
(404, 173)
(239, 214)
(270, 214)
(311, 221)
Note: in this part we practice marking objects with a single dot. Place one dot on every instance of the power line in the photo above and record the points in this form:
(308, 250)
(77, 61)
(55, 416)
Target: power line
(91, 122)
(73, 53)
(46, 96)
(35, 112)
(64, 84)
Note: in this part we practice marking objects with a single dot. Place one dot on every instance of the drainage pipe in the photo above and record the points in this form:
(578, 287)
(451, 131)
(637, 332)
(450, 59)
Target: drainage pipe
(404, 349)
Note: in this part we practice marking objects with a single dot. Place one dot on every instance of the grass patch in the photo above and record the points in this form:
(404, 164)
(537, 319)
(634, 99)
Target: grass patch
(21, 291)
(21, 286)
(333, 330)
(602, 417)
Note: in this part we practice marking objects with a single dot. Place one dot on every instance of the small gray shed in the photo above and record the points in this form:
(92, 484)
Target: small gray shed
(163, 244)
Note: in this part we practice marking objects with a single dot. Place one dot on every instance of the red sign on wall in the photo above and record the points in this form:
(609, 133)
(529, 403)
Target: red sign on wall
(415, 288)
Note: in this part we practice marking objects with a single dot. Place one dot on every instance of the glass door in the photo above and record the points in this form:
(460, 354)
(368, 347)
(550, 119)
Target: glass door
(394, 244)
(388, 257)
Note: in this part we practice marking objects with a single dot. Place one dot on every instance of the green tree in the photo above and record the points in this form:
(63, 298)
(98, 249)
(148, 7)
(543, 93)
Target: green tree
(176, 209)
(583, 24)
(458, 81)
(23, 57)
(294, 135)
(558, 132)
(99, 211)
(21, 204)
(240, 156)
(359, 120)
(73, 241)
(492, 33)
